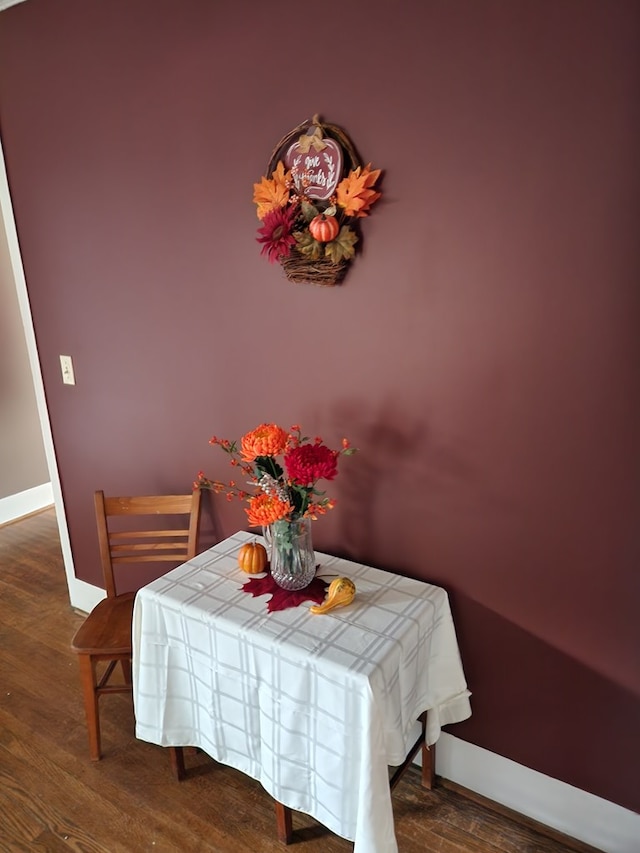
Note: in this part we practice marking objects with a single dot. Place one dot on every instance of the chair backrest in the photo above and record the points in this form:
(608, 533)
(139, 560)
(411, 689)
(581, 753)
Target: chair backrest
(150, 538)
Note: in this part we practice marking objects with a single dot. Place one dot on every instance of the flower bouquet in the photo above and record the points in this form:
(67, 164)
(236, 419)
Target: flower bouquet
(285, 497)
(310, 203)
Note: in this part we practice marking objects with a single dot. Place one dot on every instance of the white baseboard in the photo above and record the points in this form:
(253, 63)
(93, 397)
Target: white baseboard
(581, 815)
(31, 500)
(84, 596)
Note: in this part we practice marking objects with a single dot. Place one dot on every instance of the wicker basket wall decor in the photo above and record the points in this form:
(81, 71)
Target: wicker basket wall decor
(311, 201)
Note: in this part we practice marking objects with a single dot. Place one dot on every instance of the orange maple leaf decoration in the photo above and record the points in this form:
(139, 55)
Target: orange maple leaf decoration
(354, 192)
(272, 192)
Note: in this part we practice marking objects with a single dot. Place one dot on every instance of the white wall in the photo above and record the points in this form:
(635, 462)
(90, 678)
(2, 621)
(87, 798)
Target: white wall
(23, 464)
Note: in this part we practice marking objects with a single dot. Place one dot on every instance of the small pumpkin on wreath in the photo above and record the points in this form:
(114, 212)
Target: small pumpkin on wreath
(311, 201)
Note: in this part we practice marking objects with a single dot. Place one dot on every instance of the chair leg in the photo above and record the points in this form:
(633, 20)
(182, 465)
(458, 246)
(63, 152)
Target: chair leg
(176, 757)
(283, 822)
(126, 669)
(88, 680)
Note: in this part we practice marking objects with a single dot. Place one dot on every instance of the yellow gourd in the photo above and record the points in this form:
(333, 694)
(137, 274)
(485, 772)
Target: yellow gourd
(252, 558)
(340, 593)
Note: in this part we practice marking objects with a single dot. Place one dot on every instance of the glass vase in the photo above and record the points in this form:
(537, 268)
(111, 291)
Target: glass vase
(293, 561)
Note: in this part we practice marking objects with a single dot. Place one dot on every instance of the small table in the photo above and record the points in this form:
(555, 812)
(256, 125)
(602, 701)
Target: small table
(315, 707)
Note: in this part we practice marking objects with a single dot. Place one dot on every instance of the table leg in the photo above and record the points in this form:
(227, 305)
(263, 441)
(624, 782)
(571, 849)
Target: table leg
(428, 766)
(283, 821)
(176, 756)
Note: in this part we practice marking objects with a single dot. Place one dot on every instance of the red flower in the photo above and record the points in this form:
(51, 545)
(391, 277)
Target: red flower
(277, 238)
(307, 463)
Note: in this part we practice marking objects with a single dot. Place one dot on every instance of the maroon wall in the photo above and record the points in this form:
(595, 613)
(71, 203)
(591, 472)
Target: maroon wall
(482, 353)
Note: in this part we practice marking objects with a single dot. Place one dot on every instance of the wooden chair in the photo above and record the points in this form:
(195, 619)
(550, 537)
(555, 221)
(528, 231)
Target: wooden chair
(105, 635)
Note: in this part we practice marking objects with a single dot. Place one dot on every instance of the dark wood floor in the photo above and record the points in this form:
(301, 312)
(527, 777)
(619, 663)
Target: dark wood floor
(52, 798)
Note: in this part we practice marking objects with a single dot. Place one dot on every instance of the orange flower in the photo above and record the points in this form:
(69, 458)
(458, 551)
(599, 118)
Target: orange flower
(354, 192)
(265, 509)
(272, 193)
(265, 440)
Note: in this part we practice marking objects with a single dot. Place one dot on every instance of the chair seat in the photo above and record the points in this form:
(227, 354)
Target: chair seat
(107, 629)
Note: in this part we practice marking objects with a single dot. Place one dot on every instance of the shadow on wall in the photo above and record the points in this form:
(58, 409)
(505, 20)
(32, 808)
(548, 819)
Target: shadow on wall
(210, 527)
(532, 702)
(388, 443)
(578, 722)
(396, 451)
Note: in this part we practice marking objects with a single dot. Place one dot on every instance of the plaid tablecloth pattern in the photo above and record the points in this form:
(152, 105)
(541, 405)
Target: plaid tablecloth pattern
(315, 707)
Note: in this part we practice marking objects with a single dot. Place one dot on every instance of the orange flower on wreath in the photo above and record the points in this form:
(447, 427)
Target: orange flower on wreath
(265, 440)
(264, 509)
(272, 193)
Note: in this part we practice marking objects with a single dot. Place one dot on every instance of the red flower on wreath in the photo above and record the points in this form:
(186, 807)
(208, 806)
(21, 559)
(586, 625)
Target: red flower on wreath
(276, 229)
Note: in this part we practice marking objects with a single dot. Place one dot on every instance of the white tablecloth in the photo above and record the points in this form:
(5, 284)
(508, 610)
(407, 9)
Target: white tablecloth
(313, 706)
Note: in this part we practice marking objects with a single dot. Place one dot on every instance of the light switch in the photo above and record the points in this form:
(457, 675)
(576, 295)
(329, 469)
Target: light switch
(67, 370)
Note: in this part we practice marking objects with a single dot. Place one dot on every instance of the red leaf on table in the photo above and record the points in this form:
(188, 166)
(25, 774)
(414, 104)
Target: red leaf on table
(281, 599)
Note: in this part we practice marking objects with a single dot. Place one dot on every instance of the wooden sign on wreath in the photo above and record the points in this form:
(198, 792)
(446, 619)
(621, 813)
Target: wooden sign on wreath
(311, 201)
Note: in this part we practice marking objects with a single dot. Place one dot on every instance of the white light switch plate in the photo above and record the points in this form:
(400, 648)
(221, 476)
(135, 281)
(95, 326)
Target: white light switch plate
(66, 366)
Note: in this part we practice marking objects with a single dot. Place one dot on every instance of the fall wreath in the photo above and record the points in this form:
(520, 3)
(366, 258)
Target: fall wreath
(311, 201)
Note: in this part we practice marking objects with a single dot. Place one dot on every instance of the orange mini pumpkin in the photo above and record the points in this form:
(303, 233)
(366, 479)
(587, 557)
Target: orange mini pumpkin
(252, 558)
(324, 228)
